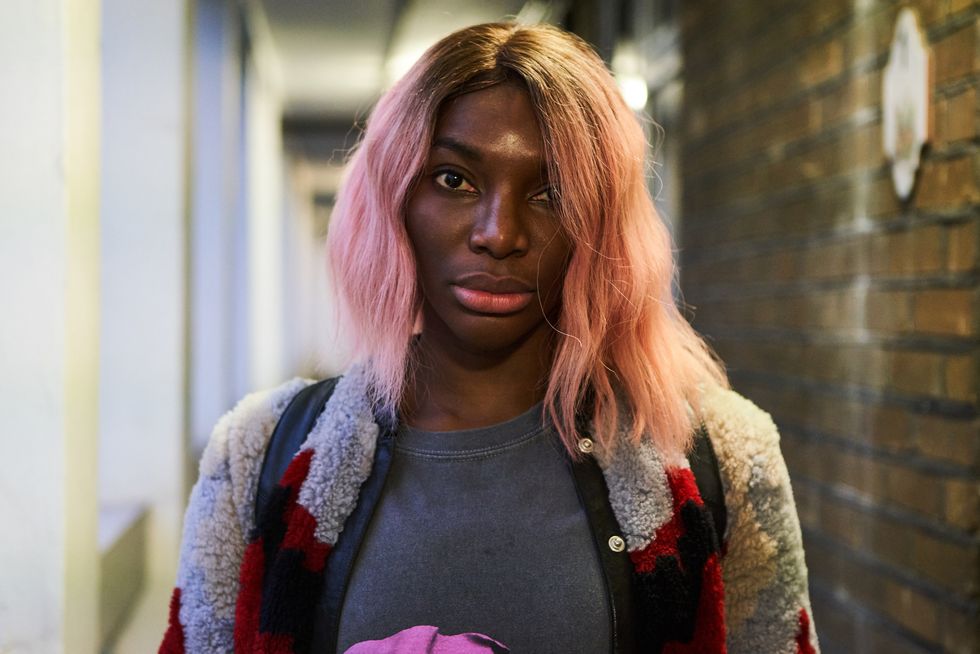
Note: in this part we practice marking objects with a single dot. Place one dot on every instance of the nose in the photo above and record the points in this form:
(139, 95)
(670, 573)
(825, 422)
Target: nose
(500, 228)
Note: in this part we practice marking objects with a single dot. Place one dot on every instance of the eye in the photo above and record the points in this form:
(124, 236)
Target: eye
(547, 196)
(453, 181)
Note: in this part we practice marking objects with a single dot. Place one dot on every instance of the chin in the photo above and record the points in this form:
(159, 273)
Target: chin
(492, 337)
(483, 334)
(479, 334)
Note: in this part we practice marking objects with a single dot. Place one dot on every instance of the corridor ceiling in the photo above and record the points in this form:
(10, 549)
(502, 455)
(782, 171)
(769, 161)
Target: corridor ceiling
(335, 57)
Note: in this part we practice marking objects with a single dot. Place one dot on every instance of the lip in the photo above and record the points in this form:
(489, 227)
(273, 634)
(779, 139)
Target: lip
(481, 281)
(485, 293)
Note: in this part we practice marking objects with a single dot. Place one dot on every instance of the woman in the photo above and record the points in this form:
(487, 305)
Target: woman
(509, 458)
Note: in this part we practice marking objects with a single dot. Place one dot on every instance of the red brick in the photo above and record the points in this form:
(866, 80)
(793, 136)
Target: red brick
(960, 633)
(842, 364)
(913, 490)
(837, 623)
(913, 610)
(961, 378)
(889, 428)
(891, 541)
(946, 312)
(951, 441)
(956, 6)
(870, 35)
(882, 200)
(962, 508)
(956, 117)
(908, 252)
(861, 473)
(858, 92)
(962, 241)
(919, 373)
(929, 12)
(821, 15)
(889, 311)
(952, 565)
(787, 176)
(840, 258)
(946, 185)
(955, 55)
(821, 62)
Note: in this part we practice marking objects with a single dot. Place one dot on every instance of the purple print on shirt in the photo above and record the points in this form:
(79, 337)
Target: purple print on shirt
(424, 639)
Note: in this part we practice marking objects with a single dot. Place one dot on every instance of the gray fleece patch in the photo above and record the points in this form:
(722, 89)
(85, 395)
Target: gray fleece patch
(209, 560)
(343, 441)
(638, 490)
(764, 569)
(776, 619)
(218, 519)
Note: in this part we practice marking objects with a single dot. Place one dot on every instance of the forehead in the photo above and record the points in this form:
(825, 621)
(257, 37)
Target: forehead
(495, 121)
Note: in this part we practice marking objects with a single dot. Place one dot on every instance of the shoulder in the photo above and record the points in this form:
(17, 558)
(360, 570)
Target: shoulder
(233, 457)
(744, 438)
(735, 423)
(763, 567)
(751, 466)
(244, 431)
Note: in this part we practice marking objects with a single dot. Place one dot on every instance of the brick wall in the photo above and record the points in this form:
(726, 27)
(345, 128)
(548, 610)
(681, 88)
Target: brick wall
(851, 317)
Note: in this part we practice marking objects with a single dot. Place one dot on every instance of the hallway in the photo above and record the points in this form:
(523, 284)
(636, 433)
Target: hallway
(169, 171)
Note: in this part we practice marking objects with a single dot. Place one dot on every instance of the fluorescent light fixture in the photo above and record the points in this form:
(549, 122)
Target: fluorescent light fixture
(634, 90)
(400, 63)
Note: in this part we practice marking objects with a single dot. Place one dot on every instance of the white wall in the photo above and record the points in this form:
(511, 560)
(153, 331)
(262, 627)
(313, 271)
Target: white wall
(304, 274)
(217, 220)
(144, 187)
(133, 322)
(264, 201)
(49, 176)
(317, 345)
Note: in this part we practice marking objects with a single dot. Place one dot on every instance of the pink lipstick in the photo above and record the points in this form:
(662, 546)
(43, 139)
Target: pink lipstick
(488, 302)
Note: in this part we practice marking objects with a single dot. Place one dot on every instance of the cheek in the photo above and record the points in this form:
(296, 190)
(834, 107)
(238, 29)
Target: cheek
(553, 268)
(419, 229)
(427, 238)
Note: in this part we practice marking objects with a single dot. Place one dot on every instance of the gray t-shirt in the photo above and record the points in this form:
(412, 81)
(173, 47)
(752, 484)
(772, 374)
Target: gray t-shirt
(480, 530)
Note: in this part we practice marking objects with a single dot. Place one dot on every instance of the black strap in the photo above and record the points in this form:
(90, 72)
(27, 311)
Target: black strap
(593, 494)
(292, 429)
(340, 563)
(298, 420)
(294, 426)
(704, 465)
(299, 417)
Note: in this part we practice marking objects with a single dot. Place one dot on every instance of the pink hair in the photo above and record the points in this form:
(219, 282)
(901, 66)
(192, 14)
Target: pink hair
(624, 353)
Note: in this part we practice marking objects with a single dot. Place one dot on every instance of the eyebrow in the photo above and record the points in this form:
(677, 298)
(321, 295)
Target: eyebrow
(450, 143)
(471, 152)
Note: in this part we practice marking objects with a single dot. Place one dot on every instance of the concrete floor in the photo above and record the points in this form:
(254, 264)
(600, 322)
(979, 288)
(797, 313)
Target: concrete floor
(149, 620)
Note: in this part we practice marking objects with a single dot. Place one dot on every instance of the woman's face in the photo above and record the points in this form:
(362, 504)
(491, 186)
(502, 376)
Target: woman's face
(482, 221)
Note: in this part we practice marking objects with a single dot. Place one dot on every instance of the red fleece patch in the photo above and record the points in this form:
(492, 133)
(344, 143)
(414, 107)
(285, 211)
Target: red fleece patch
(274, 644)
(300, 536)
(173, 640)
(296, 473)
(682, 488)
(803, 645)
(248, 607)
(709, 637)
(249, 604)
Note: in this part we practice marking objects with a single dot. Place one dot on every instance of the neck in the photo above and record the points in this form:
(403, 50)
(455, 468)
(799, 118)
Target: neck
(453, 387)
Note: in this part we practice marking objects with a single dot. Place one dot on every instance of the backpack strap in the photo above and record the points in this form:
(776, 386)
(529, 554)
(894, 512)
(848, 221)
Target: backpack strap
(300, 415)
(704, 465)
(291, 431)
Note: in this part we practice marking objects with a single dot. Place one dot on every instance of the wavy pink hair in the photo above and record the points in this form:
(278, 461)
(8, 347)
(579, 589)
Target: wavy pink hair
(625, 357)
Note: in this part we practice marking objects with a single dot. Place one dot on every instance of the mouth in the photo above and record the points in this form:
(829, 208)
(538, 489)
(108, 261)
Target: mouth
(485, 293)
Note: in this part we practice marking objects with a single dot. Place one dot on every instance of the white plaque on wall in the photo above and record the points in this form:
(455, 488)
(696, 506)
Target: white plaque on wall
(905, 101)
